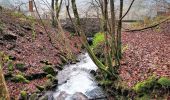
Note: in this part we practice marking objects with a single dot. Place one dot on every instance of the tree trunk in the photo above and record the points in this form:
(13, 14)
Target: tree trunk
(119, 29)
(112, 10)
(4, 95)
(58, 8)
(84, 40)
(52, 14)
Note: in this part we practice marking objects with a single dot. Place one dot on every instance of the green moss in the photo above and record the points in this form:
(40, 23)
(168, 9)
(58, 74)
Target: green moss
(18, 14)
(10, 66)
(98, 38)
(41, 88)
(146, 85)
(49, 76)
(48, 69)
(20, 66)
(23, 95)
(20, 78)
(164, 81)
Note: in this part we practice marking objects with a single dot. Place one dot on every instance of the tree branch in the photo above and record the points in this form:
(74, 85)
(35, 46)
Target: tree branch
(145, 28)
(127, 10)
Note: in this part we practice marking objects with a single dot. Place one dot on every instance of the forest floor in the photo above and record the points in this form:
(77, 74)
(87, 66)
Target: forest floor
(26, 42)
(147, 54)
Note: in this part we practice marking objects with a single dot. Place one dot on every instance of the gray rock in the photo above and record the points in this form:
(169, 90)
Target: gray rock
(62, 96)
(96, 93)
(79, 96)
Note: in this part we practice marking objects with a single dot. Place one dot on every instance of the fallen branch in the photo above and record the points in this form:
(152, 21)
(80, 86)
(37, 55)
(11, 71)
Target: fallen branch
(145, 28)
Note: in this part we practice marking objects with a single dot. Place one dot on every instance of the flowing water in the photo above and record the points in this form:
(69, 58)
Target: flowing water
(77, 78)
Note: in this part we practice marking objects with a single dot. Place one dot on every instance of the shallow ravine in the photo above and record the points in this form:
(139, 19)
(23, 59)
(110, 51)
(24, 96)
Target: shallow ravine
(76, 80)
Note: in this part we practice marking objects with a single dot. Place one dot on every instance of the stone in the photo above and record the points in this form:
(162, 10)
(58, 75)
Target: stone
(62, 96)
(21, 67)
(50, 70)
(20, 78)
(9, 36)
(93, 72)
(96, 94)
(79, 96)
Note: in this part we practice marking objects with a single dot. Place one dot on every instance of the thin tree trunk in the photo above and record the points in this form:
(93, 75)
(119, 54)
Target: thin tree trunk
(4, 95)
(58, 8)
(84, 40)
(119, 29)
(107, 47)
(112, 10)
(52, 14)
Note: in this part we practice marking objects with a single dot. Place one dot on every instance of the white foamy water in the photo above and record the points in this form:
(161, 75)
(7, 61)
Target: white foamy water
(77, 78)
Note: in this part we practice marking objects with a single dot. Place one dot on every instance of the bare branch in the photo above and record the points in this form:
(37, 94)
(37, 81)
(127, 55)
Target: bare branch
(145, 28)
(127, 10)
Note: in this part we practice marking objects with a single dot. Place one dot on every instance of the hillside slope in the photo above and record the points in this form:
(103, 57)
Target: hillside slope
(24, 40)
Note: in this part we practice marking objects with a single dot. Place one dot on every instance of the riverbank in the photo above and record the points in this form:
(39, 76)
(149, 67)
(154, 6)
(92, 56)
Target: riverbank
(26, 49)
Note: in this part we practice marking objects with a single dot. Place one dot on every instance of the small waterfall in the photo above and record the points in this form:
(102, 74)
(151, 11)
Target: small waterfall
(77, 78)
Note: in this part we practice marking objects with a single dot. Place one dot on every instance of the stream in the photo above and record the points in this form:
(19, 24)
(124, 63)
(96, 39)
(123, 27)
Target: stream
(76, 83)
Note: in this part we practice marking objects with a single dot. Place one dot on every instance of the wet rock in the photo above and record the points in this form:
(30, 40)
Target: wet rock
(43, 98)
(79, 96)
(96, 94)
(9, 36)
(62, 96)
(59, 67)
(90, 40)
(93, 72)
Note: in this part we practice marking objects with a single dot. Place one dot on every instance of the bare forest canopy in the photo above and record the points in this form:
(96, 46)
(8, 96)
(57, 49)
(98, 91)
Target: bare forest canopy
(149, 8)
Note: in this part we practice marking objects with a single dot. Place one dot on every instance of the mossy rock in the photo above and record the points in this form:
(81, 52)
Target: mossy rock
(49, 76)
(44, 97)
(164, 81)
(41, 88)
(33, 96)
(63, 59)
(146, 85)
(48, 69)
(20, 66)
(10, 66)
(20, 78)
(23, 95)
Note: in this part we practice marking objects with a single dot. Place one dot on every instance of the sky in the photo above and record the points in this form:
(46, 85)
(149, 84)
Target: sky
(138, 9)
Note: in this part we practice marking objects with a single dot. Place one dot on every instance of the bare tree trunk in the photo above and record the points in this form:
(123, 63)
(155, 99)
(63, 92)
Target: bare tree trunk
(58, 8)
(119, 29)
(107, 46)
(112, 10)
(52, 14)
(84, 40)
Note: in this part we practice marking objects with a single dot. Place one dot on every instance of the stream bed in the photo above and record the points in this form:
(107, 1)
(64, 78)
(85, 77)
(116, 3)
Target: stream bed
(76, 83)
